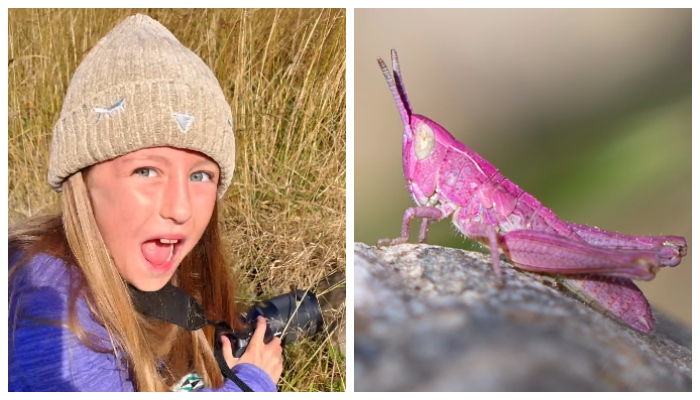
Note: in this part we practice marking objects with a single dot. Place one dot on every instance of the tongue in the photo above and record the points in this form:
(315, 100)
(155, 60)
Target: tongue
(156, 252)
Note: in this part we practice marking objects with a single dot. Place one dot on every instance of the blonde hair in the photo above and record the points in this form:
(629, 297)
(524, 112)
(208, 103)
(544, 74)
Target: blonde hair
(75, 238)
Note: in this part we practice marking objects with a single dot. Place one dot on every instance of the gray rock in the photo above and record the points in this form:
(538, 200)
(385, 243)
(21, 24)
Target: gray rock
(429, 318)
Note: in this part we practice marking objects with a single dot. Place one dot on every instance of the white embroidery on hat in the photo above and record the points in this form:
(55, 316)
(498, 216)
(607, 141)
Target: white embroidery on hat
(118, 106)
(184, 121)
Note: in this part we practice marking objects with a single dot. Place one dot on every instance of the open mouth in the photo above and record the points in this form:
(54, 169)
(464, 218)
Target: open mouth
(160, 252)
(172, 244)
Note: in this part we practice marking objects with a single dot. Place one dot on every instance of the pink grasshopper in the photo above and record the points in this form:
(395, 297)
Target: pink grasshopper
(446, 178)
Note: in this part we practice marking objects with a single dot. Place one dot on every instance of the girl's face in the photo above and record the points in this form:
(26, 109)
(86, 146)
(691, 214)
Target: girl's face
(152, 207)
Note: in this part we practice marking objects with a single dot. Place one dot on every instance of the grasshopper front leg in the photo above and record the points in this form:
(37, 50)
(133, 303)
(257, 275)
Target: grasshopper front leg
(425, 212)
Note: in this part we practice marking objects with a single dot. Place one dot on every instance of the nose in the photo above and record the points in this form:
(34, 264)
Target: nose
(176, 204)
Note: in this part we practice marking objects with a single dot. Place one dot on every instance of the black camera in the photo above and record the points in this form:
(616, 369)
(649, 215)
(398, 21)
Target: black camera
(289, 317)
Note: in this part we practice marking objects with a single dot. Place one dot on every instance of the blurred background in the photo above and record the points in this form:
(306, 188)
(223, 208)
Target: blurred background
(587, 110)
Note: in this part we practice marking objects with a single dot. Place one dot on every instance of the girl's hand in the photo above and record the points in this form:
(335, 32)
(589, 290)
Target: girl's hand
(266, 356)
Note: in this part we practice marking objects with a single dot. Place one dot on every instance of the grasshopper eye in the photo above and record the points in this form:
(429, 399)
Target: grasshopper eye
(424, 141)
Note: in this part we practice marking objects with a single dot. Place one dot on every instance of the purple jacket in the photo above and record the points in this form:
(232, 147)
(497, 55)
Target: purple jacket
(44, 357)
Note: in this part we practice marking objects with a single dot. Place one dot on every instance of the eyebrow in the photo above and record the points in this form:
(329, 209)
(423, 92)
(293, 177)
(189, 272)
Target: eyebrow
(206, 161)
(142, 158)
(165, 160)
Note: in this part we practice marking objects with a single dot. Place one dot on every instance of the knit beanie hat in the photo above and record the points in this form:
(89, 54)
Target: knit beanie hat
(139, 87)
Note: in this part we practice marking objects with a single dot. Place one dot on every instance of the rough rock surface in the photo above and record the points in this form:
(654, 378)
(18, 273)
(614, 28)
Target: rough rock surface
(432, 318)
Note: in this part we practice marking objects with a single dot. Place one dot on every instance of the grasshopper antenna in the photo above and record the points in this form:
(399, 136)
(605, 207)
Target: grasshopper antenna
(399, 81)
(397, 88)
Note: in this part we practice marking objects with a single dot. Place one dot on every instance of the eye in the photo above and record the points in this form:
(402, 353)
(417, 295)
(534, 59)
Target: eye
(424, 142)
(145, 172)
(202, 176)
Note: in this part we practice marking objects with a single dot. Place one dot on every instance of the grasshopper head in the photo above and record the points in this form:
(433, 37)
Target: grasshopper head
(421, 152)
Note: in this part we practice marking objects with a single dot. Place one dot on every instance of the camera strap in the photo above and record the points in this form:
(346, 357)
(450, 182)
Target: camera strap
(223, 328)
(172, 304)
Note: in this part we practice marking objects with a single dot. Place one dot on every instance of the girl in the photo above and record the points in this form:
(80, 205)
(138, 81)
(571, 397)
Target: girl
(142, 151)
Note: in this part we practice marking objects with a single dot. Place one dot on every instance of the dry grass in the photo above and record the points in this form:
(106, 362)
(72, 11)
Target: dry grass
(283, 72)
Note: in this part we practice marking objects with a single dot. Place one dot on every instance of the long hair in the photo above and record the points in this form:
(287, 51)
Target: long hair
(74, 237)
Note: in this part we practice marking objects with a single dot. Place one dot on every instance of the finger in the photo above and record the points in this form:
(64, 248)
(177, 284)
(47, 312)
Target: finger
(225, 344)
(259, 333)
(226, 348)
(275, 345)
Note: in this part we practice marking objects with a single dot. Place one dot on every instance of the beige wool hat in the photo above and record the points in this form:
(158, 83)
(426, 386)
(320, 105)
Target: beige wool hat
(139, 87)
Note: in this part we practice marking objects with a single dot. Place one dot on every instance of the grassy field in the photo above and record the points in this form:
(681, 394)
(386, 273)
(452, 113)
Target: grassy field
(283, 72)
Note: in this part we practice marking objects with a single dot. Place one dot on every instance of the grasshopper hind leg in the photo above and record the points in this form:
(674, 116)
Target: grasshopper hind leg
(670, 249)
(616, 297)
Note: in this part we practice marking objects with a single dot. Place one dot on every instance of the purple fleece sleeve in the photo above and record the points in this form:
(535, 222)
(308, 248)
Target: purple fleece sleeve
(48, 357)
(252, 375)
